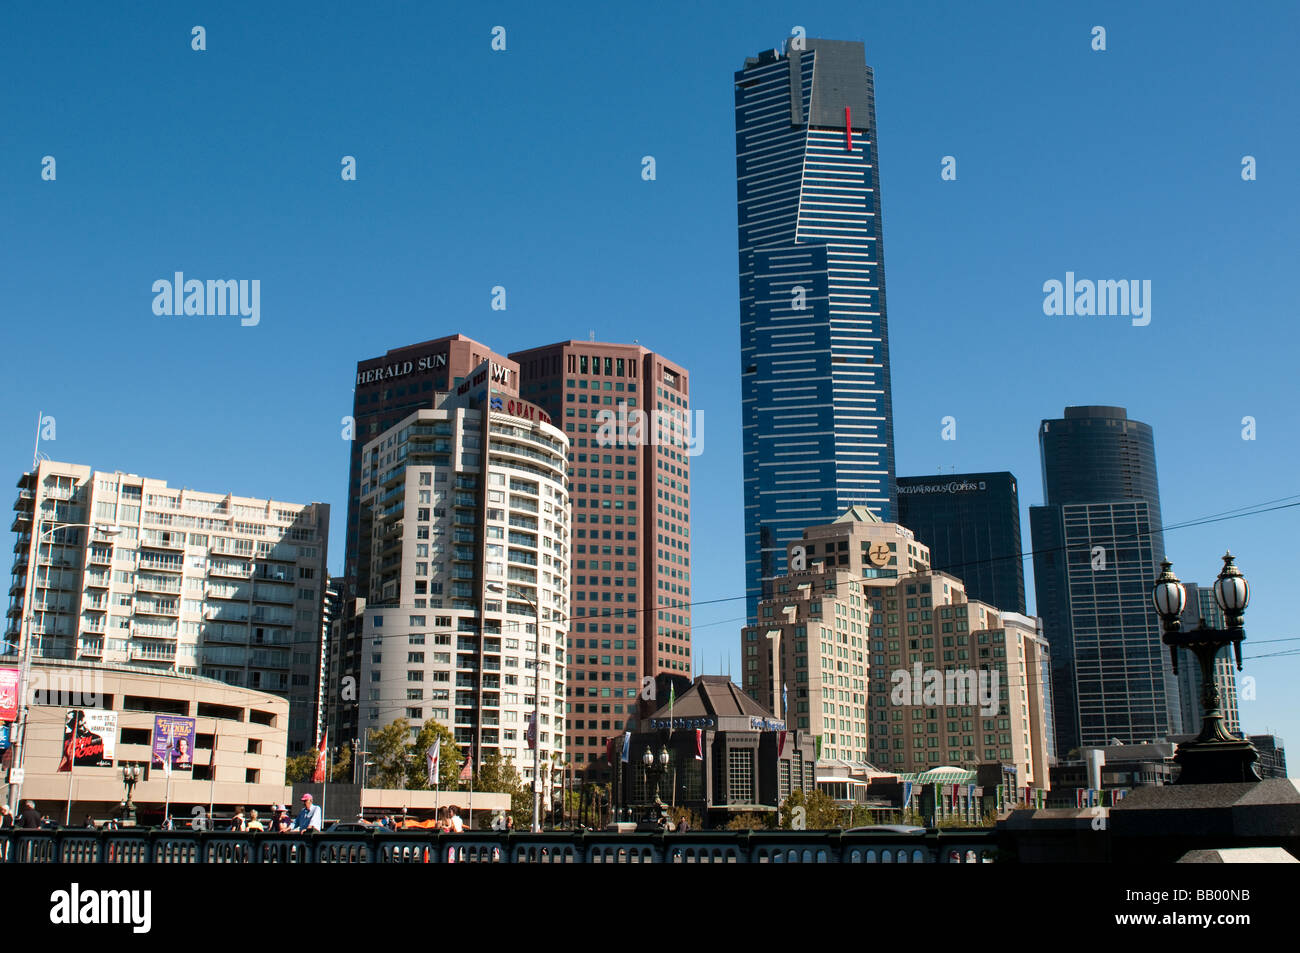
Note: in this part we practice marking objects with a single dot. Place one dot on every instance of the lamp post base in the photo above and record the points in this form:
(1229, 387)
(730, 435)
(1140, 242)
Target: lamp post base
(1217, 762)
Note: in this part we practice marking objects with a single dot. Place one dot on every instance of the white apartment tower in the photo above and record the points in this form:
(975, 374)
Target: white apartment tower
(211, 584)
(465, 509)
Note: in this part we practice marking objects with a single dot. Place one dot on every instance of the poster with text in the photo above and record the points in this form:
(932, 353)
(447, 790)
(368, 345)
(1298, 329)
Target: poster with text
(89, 739)
(9, 678)
(173, 734)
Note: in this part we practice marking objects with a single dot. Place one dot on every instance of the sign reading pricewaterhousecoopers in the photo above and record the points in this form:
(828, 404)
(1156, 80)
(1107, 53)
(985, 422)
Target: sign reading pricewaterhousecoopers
(955, 486)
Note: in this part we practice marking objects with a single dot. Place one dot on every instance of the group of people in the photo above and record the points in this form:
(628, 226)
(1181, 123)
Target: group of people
(309, 818)
(28, 818)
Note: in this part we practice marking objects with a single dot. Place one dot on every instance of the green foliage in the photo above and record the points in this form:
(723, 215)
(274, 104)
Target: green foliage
(679, 813)
(861, 816)
(820, 812)
(500, 776)
(750, 821)
(301, 767)
(399, 759)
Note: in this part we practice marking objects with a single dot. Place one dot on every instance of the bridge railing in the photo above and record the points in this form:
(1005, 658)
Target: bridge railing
(140, 846)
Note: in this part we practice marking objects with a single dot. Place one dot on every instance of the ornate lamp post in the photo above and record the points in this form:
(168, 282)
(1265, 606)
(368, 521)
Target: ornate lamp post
(1215, 756)
(130, 777)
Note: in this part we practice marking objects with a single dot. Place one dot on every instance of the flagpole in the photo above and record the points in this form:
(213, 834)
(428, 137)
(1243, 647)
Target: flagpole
(72, 763)
(167, 765)
(212, 776)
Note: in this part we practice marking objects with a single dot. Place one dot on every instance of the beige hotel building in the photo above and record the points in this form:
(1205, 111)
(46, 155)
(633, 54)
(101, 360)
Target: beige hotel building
(859, 605)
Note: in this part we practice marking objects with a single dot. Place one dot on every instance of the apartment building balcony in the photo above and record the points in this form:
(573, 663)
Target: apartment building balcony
(147, 607)
(22, 523)
(147, 652)
(95, 628)
(518, 556)
(91, 648)
(163, 563)
(465, 499)
(165, 584)
(169, 541)
(230, 570)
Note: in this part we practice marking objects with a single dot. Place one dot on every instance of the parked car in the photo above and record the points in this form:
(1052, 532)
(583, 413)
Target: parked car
(349, 827)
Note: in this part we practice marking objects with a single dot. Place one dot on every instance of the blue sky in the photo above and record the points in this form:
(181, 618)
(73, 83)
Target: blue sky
(522, 169)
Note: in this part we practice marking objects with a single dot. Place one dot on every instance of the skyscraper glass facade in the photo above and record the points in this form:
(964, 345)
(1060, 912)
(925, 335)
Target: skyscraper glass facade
(816, 413)
(1097, 545)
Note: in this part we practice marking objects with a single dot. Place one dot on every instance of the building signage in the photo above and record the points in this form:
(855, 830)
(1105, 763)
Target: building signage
(427, 363)
(521, 408)
(658, 723)
(766, 724)
(9, 680)
(956, 486)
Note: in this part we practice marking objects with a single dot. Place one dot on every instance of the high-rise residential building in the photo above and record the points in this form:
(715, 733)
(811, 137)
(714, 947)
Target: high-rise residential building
(816, 409)
(212, 584)
(389, 388)
(626, 412)
(1097, 545)
(1201, 606)
(971, 522)
(466, 511)
(896, 669)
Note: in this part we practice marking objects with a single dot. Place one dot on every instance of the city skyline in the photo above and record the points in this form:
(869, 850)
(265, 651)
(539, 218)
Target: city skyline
(268, 401)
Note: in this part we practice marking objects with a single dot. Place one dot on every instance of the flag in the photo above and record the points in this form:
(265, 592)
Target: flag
(318, 776)
(532, 730)
(467, 772)
(672, 697)
(1078, 797)
(819, 747)
(627, 746)
(699, 744)
(970, 797)
(785, 705)
(434, 758)
(907, 794)
(780, 743)
(609, 749)
(954, 795)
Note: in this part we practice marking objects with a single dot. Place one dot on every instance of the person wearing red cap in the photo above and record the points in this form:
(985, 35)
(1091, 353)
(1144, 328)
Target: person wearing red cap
(309, 818)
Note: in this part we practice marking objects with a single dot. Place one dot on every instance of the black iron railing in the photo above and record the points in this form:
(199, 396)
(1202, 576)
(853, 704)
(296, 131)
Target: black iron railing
(142, 846)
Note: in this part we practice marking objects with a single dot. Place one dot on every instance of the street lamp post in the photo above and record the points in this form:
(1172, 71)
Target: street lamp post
(25, 646)
(537, 697)
(1215, 756)
(130, 778)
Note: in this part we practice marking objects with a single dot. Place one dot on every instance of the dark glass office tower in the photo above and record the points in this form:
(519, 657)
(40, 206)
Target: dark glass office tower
(971, 522)
(815, 398)
(1097, 544)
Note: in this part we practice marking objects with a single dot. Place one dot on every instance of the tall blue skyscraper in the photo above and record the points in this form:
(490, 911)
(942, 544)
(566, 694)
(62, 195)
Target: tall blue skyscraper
(1098, 542)
(816, 411)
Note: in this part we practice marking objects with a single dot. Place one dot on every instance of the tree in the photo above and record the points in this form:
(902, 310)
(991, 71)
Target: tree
(399, 759)
(497, 775)
(811, 811)
(301, 767)
(750, 821)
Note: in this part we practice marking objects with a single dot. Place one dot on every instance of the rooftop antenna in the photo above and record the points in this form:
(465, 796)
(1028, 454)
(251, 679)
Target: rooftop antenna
(36, 448)
(591, 334)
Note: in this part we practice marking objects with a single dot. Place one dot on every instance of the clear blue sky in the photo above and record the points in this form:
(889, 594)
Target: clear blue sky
(522, 168)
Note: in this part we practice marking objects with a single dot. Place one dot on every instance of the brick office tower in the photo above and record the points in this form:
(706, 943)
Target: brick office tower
(629, 479)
